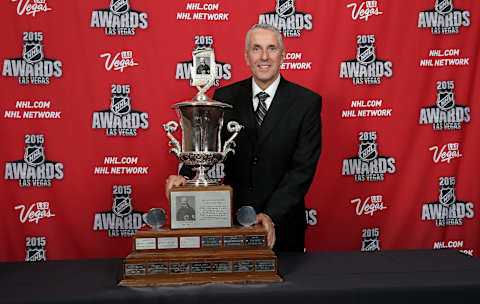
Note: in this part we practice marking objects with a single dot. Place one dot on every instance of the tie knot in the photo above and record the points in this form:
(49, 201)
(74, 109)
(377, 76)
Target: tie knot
(262, 96)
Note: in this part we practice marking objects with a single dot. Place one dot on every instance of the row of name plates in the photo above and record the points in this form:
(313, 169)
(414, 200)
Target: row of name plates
(198, 256)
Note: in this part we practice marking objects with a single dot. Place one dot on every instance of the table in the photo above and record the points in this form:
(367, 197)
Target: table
(397, 276)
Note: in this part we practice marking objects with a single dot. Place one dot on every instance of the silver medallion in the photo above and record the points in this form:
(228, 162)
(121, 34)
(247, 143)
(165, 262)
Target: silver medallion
(246, 216)
(155, 218)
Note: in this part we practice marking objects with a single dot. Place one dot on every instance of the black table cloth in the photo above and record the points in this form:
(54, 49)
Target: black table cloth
(413, 276)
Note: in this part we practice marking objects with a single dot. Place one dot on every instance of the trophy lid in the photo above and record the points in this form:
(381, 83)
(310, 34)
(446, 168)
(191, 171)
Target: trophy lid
(201, 103)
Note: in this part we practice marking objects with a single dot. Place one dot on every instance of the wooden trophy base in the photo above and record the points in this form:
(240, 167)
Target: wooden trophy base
(200, 280)
(239, 255)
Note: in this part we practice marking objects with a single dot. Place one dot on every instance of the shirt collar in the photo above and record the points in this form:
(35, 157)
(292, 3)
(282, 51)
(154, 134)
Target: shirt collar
(271, 90)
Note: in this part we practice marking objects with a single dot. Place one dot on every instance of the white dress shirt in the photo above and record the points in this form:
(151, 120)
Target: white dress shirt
(271, 90)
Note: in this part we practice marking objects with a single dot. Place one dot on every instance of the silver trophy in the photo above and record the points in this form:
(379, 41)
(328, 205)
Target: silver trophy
(201, 120)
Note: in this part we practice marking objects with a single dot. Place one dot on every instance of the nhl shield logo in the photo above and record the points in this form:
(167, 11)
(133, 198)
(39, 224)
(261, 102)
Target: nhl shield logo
(447, 196)
(32, 52)
(35, 254)
(34, 155)
(367, 151)
(443, 6)
(366, 54)
(122, 206)
(120, 105)
(285, 8)
(445, 100)
(370, 245)
(119, 7)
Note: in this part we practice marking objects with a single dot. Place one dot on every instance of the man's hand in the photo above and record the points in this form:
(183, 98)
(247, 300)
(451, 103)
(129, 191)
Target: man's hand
(267, 223)
(173, 181)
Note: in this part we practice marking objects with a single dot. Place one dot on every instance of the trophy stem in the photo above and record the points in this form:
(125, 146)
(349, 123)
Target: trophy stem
(201, 178)
(201, 96)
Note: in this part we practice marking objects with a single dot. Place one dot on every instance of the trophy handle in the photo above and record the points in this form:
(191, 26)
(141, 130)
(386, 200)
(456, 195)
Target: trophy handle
(234, 127)
(169, 127)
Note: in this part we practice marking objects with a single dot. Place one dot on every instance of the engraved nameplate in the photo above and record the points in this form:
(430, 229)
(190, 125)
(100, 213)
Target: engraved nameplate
(179, 268)
(201, 267)
(243, 266)
(167, 242)
(134, 269)
(222, 267)
(144, 243)
(233, 241)
(158, 268)
(264, 265)
(211, 241)
(190, 242)
(255, 240)
(200, 209)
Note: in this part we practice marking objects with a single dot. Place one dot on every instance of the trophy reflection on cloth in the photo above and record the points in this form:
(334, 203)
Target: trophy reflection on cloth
(201, 246)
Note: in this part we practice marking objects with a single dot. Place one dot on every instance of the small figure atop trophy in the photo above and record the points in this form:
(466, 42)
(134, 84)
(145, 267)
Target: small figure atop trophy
(203, 72)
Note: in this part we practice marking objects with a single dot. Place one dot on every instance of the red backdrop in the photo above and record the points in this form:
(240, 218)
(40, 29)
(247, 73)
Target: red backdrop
(399, 81)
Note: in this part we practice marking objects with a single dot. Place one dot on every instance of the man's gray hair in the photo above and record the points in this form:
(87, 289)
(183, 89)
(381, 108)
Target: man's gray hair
(267, 27)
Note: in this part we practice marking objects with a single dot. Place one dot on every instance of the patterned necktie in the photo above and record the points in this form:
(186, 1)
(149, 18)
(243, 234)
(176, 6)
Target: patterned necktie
(261, 108)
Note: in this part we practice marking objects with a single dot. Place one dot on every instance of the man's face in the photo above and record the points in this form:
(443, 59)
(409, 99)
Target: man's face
(264, 57)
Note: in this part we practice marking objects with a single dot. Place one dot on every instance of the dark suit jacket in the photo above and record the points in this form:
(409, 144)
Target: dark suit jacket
(273, 166)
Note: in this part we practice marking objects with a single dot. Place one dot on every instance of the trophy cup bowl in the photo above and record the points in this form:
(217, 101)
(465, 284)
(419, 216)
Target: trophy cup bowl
(201, 123)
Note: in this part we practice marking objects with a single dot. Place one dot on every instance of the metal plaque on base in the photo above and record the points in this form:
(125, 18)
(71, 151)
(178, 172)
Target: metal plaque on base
(201, 207)
(237, 237)
(230, 255)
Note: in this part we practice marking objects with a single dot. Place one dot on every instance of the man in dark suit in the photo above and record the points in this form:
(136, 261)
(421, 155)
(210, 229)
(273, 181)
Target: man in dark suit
(278, 150)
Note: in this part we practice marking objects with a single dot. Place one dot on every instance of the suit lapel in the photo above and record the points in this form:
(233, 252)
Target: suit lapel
(245, 108)
(279, 107)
